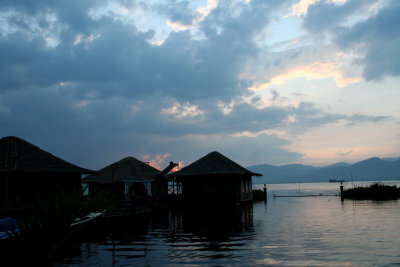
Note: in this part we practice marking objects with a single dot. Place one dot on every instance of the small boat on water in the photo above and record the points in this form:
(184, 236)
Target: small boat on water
(8, 227)
(87, 218)
(336, 181)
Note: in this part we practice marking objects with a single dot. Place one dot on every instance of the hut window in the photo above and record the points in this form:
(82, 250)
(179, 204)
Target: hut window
(248, 186)
(147, 185)
(127, 187)
(138, 188)
(85, 188)
(174, 187)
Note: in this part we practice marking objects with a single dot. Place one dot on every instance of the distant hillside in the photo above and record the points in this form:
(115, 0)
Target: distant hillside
(375, 169)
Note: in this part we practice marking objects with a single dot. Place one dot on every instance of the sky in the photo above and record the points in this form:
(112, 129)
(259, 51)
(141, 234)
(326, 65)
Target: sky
(263, 82)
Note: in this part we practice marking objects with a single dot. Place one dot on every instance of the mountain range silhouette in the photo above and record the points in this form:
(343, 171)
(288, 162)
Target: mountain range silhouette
(373, 169)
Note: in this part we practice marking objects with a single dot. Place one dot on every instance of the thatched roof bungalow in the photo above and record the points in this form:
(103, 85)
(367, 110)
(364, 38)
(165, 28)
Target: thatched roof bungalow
(124, 178)
(28, 173)
(215, 179)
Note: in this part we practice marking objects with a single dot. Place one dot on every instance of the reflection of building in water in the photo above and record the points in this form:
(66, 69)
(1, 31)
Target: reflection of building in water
(175, 221)
(212, 180)
(212, 222)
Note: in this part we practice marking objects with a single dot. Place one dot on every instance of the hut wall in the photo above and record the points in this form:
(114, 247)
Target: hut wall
(107, 189)
(159, 187)
(138, 189)
(3, 189)
(246, 190)
(219, 188)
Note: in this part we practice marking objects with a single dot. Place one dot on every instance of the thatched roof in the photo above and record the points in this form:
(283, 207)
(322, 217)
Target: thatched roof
(127, 169)
(213, 163)
(18, 155)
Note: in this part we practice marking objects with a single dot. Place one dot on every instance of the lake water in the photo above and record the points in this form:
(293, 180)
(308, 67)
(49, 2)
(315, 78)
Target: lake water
(285, 231)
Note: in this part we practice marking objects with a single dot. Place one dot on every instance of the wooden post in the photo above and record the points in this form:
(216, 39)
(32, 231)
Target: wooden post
(341, 191)
(265, 193)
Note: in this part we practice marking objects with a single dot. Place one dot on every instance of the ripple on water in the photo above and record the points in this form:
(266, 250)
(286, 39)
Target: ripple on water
(320, 231)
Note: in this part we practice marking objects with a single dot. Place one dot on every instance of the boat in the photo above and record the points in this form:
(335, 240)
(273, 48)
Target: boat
(8, 227)
(88, 218)
(336, 181)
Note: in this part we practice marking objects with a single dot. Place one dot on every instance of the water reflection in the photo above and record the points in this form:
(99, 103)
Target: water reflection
(211, 222)
(302, 231)
(323, 231)
(208, 234)
(169, 238)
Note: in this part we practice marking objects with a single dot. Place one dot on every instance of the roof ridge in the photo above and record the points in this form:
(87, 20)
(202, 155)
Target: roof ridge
(214, 163)
(28, 157)
(127, 168)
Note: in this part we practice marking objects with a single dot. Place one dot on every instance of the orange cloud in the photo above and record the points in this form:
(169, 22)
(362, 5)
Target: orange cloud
(181, 164)
(157, 162)
(314, 71)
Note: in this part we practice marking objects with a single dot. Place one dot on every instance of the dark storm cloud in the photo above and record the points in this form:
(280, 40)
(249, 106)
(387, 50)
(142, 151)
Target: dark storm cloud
(360, 118)
(379, 38)
(308, 116)
(58, 111)
(178, 11)
(120, 60)
(99, 92)
(84, 131)
(73, 13)
(213, 64)
(323, 15)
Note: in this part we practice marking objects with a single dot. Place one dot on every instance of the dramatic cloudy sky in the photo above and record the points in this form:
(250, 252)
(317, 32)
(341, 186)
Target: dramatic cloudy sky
(277, 82)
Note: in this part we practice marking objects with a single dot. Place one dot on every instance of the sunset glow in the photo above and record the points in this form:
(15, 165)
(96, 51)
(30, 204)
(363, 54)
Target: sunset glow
(181, 164)
(158, 161)
(315, 71)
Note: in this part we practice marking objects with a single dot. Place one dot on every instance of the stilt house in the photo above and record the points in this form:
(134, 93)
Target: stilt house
(214, 179)
(29, 174)
(124, 179)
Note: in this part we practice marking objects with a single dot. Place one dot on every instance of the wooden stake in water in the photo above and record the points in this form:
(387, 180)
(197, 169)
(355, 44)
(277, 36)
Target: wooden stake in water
(341, 191)
(265, 193)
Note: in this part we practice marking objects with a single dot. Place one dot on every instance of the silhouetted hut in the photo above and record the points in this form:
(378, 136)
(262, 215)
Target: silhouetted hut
(123, 179)
(214, 179)
(29, 174)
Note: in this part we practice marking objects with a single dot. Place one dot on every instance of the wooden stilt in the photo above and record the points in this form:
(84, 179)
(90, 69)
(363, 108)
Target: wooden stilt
(265, 193)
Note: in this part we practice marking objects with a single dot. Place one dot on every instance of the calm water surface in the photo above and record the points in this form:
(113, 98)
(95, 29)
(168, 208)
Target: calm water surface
(286, 231)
